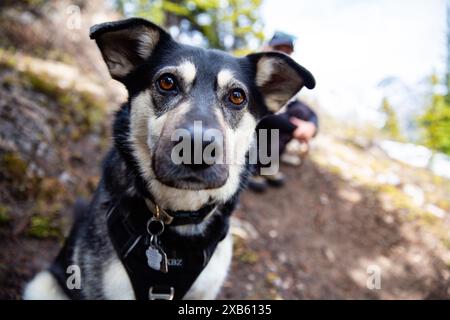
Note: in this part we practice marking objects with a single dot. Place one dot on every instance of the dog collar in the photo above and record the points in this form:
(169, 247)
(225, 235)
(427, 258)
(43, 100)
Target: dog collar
(181, 217)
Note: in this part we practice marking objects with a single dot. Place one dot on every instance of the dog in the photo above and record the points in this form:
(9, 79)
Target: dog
(156, 229)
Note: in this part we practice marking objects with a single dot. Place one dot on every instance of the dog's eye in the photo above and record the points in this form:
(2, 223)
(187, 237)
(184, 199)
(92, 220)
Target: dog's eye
(167, 82)
(237, 96)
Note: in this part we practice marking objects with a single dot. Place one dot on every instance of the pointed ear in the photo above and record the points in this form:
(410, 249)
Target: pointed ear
(126, 44)
(279, 78)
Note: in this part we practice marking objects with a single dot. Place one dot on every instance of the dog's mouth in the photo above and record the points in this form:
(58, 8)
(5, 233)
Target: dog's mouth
(186, 177)
(191, 183)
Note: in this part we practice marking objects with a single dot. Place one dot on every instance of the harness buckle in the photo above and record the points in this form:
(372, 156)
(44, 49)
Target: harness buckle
(161, 296)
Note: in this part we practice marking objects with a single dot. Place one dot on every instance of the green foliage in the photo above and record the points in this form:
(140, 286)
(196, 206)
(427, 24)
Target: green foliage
(435, 121)
(391, 126)
(44, 227)
(5, 216)
(228, 25)
(81, 108)
(436, 124)
(243, 253)
(13, 166)
(24, 3)
(7, 59)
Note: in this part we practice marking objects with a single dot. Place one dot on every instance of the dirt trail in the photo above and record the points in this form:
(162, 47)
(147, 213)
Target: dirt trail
(316, 242)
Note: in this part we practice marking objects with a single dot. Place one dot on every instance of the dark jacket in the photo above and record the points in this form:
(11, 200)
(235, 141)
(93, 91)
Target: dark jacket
(295, 108)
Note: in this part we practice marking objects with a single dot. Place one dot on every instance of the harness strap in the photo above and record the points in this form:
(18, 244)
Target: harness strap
(178, 218)
(187, 256)
(59, 268)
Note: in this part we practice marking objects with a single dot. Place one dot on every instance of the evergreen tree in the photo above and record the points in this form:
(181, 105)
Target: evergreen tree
(391, 126)
(233, 25)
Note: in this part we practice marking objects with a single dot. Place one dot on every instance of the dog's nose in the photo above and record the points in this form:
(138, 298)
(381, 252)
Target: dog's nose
(204, 148)
(193, 158)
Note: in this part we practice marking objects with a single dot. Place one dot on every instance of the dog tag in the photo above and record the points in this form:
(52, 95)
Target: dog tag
(156, 258)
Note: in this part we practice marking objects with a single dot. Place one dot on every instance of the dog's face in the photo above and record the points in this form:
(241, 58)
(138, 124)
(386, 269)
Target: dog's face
(206, 98)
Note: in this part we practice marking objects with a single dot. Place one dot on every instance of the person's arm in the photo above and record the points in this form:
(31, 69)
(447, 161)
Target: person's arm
(277, 121)
(305, 130)
(299, 120)
(304, 118)
(303, 112)
(314, 119)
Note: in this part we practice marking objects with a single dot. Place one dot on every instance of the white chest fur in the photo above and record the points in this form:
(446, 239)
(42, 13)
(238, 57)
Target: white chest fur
(211, 279)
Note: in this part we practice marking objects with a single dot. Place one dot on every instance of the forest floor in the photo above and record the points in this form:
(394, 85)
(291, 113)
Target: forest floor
(347, 214)
(318, 238)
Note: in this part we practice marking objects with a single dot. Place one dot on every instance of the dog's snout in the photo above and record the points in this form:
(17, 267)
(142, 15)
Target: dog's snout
(204, 147)
(194, 157)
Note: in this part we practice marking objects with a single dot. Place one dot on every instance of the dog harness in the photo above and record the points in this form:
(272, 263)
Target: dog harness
(161, 263)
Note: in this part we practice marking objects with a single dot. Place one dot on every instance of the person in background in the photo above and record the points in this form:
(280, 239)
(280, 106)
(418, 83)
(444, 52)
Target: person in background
(295, 121)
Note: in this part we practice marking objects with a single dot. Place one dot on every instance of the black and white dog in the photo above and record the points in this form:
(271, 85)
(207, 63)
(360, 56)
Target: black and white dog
(157, 229)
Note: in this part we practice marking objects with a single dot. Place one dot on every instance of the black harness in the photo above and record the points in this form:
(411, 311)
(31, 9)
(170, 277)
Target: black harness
(187, 256)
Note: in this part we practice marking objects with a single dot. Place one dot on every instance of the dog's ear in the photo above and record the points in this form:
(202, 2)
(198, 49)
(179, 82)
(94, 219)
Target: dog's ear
(126, 44)
(279, 78)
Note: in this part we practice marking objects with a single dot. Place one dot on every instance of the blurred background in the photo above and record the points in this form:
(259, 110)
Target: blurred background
(372, 199)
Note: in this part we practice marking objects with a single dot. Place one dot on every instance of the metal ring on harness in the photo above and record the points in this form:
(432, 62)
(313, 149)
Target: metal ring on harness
(161, 296)
(155, 226)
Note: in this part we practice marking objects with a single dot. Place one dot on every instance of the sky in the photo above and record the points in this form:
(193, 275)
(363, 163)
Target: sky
(350, 46)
